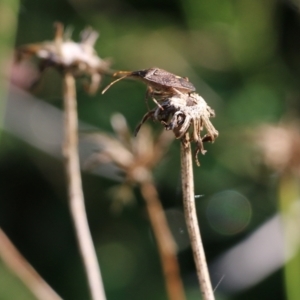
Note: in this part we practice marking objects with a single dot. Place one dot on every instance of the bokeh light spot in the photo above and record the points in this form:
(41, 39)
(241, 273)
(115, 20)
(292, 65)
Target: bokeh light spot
(229, 212)
(178, 228)
(118, 265)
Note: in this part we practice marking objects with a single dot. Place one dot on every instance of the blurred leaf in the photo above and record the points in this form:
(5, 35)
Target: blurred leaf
(11, 287)
(8, 23)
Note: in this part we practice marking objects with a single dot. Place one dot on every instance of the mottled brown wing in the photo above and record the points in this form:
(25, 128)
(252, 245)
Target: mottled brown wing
(168, 79)
(162, 77)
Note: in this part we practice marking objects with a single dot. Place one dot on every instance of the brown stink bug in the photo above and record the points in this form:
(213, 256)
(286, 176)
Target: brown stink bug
(161, 84)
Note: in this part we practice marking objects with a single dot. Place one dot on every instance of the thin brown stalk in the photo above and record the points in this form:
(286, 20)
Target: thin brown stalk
(22, 269)
(165, 241)
(192, 221)
(76, 199)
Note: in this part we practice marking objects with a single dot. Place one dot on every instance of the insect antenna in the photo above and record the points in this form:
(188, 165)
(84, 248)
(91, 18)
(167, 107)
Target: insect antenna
(117, 73)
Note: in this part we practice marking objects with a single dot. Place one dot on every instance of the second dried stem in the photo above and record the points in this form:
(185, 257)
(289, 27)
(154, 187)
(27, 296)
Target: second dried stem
(76, 199)
(165, 241)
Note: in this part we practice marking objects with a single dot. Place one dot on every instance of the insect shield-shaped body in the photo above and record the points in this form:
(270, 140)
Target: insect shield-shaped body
(161, 84)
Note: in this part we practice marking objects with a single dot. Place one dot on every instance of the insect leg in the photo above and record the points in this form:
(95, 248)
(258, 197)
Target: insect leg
(147, 116)
(147, 96)
(176, 91)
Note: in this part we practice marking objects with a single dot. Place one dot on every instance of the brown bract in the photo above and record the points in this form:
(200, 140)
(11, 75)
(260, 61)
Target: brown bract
(64, 54)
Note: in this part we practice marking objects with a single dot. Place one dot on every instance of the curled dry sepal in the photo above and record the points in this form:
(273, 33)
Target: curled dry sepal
(179, 108)
(79, 58)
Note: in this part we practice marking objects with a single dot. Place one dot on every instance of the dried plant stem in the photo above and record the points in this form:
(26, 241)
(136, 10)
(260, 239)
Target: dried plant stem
(192, 222)
(20, 267)
(76, 199)
(165, 241)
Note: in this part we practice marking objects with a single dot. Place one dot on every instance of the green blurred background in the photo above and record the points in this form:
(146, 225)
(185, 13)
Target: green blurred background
(243, 56)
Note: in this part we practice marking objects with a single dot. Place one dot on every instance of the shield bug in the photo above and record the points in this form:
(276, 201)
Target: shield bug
(161, 84)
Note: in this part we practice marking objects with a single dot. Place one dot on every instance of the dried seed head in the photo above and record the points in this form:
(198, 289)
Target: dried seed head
(64, 54)
(183, 112)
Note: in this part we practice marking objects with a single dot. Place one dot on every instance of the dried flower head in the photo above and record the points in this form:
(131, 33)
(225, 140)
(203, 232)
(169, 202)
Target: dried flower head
(134, 158)
(65, 54)
(181, 112)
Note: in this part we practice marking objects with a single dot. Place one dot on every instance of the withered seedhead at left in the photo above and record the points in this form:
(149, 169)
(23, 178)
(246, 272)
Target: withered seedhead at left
(62, 53)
